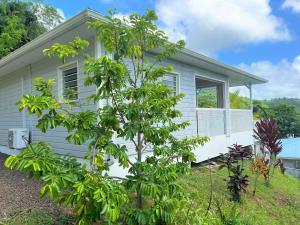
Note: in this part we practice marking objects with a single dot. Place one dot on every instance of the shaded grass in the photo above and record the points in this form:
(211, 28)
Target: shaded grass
(37, 217)
(277, 203)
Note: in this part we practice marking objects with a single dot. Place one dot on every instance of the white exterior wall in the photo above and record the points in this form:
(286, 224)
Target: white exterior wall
(236, 125)
(10, 93)
(13, 85)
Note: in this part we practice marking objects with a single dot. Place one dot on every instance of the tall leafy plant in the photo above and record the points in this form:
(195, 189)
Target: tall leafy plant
(258, 167)
(234, 162)
(266, 132)
(141, 109)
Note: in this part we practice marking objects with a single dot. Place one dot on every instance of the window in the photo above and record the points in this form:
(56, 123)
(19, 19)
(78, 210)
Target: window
(209, 93)
(297, 164)
(70, 83)
(171, 80)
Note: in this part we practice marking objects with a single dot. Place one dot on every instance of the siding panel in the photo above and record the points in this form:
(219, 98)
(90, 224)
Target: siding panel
(10, 93)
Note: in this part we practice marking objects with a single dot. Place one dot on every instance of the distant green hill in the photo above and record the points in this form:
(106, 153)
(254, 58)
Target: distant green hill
(275, 101)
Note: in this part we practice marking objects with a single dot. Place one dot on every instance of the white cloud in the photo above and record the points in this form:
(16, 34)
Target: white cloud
(121, 16)
(211, 25)
(61, 13)
(284, 78)
(292, 4)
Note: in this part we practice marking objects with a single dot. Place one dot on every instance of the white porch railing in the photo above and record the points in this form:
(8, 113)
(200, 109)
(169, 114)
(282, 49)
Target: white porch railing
(241, 120)
(210, 122)
(213, 122)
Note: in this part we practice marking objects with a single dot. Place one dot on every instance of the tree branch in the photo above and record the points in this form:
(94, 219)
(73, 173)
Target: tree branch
(117, 178)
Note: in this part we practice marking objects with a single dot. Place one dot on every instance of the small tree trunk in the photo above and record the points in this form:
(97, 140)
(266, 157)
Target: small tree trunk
(139, 199)
(255, 183)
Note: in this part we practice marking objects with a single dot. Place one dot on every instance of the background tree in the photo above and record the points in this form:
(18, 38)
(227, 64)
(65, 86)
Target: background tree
(238, 102)
(207, 98)
(22, 21)
(141, 109)
(287, 117)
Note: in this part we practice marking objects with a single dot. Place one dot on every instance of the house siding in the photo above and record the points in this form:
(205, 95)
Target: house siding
(10, 93)
(187, 105)
(13, 85)
(290, 165)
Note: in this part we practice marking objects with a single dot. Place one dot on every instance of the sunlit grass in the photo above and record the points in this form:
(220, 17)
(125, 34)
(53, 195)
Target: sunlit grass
(277, 203)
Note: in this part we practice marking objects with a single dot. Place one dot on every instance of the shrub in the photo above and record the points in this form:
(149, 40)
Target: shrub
(234, 162)
(268, 135)
(258, 167)
(228, 216)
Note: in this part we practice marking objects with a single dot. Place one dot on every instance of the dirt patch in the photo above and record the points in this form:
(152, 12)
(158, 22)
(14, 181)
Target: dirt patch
(19, 193)
(284, 199)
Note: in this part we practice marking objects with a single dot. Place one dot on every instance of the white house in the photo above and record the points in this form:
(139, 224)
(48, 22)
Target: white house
(193, 72)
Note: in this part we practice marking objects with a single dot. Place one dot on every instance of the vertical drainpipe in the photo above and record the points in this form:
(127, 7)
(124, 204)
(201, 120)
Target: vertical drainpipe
(30, 90)
(23, 92)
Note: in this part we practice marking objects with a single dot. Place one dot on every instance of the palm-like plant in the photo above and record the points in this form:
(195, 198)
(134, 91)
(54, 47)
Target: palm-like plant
(268, 135)
(234, 162)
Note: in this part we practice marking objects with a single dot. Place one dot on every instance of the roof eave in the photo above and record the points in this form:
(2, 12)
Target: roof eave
(90, 14)
(229, 68)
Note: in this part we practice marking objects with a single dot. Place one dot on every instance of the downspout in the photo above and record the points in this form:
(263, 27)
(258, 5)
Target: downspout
(23, 92)
(31, 91)
(197, 120)
(98, 48)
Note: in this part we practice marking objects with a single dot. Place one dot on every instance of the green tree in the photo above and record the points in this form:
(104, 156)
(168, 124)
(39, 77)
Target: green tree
(287, 117)
(11, 35)
(238, 102)
(207, 98)
(22, 21)
(140, 109)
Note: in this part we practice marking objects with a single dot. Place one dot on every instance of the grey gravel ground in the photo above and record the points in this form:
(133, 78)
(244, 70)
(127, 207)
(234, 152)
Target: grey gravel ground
(19, 193)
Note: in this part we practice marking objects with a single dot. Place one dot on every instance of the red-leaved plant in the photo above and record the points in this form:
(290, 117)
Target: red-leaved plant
(268, 135)
(234, 162)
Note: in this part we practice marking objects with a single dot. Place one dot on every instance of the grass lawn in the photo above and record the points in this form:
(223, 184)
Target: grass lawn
(37, 217)
(278, 203)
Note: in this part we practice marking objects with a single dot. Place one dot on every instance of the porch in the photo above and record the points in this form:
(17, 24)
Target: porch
(217, 110)
(226, 118)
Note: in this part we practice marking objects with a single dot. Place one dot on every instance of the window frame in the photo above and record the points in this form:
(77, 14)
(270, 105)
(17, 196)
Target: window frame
(177, 76)
(297, 164)
(60, 78)
(211, 79)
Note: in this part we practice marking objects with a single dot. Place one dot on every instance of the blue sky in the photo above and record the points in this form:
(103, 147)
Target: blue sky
(260, 36)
